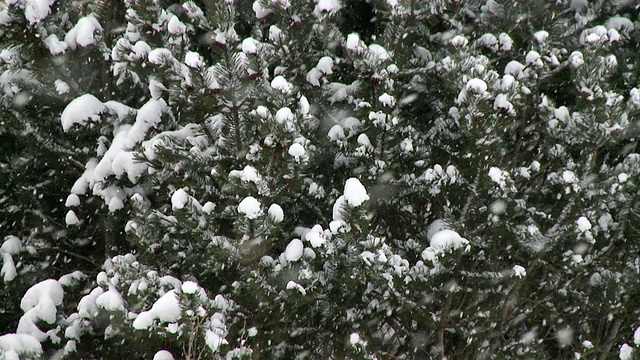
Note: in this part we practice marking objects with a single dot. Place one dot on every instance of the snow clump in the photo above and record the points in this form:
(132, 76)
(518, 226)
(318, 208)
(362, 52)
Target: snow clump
(250, 207)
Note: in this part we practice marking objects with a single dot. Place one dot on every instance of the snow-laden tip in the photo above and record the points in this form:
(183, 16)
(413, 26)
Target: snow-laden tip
(179, 199)
(163, 355)
(447, 240)
(294, 250)
(13, 346)
(81, 110)
(354, 192)
(166, 309)
(276, 213)
(250, 207)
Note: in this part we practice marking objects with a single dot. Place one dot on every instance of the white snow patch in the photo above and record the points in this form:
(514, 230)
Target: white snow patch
(459, 41)
(189, 287)
(294, 250)
(250, 207)
(519, 271)
(83, 32)
(72, 200)
(281, 84)
(61, 87)
(111, 300)
(316, 236)
(276, 213)
(175, 26)
(284, 115)
(250, 45)
(583, 224)
(55, 45)
(71, 218)
(17, 346)
(248, 174)
(353, 42)
(166, 310)
(193, 59)
(447, 240)
(159, 56)
(35, 10)
(325, 64)
(354, 192)
(11, 245)
(626, 352)
(261, 12)
(387, 100)
(40, 303)
(569, 177)
(179, 199)
(476, 85)
(297, 151)
(163, 355)
(292, 285)
(81, 110)
(541, 36)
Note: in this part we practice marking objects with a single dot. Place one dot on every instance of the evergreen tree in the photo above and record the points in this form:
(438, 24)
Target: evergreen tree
(271, 179)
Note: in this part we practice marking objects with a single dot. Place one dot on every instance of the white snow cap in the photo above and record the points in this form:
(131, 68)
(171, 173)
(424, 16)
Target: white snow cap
(636, 336)
(72, 200)
(179, 199)
(110, 300)
(166, 309)
(476, 85)
(193, 59)
(276, 213)
(354, 192)
(292, 285)
(447, 240)
(294, 250)
(189, 287)
(281, 84)
(36, 10)
(626, 352)
(83, 33)
(353, 42)
(297, 152)
(250, 46)
(12, 346)
(387, 100)
(175, 26)
(583, 224)
(250, 207)
(163, 355)
(519, 271)
(81, 110)
(71, 218)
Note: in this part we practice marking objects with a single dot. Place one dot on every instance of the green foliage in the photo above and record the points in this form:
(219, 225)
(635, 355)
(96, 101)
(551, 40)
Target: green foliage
(332, 179)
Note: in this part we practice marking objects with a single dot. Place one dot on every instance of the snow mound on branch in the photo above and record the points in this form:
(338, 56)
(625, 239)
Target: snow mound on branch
(35, 10)
(40, 303)
(55, 46)
(189, 287)
(83, 33)
(81, 110)
(250, 207)
(354, 192)
(179, 199)
(71, 218)
(294, 250)
(445, 240)
(248, 174)
(163, 355)
(12, 346)
(166, 309)
(276, 213)
(110, 300)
